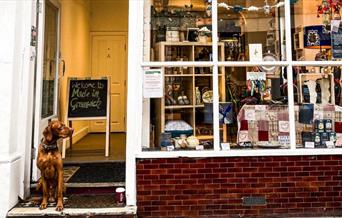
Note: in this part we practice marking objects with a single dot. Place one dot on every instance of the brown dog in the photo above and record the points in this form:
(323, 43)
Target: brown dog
(50, 164)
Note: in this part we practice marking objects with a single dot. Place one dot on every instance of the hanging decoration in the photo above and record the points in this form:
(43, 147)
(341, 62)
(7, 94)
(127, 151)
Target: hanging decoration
(238, 8)
(329, 9)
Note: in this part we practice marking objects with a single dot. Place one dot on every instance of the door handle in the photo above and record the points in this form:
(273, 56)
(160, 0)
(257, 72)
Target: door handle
(63, 67)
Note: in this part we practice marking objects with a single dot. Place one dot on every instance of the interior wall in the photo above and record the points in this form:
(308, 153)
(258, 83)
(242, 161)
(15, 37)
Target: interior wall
(75, 28)
(109, 15)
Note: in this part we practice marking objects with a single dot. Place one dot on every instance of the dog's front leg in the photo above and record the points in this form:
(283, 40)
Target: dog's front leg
(43, 205)
(60, 190)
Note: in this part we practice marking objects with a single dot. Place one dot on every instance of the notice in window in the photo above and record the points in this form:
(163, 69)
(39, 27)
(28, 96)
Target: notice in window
(153, 83)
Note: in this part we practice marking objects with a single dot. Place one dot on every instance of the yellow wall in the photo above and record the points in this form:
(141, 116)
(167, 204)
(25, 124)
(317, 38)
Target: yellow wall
(78, 19)
(75, 51)
(109, 15)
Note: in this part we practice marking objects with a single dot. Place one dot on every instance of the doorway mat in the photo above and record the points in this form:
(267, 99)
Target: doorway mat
(99, 173)
(76, 201)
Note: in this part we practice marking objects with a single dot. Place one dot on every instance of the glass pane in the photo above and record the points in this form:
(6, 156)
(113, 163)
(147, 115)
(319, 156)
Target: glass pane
(318, 111)
(183, 118)
(252, 30)
(253, 110)
(316, 30)
(50, 57)
(177, 30)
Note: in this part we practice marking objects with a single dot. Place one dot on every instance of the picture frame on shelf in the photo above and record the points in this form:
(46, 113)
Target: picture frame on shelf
(192, 34)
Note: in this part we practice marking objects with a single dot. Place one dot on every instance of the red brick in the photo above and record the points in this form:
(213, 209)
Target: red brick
(289, 183)
(151, 177)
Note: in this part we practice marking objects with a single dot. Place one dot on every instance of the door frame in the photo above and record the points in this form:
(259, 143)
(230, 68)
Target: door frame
(112, 33)
(38, 121)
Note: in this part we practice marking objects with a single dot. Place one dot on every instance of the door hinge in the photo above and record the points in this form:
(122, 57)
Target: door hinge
(125, 83)
(39, 7)
(33, 153)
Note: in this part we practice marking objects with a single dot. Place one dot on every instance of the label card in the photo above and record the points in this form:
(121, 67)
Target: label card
(255, 52)
(330, 144)
(153, 83)
(199, 147)
(170, 148)
(225, 146)
(309, 145)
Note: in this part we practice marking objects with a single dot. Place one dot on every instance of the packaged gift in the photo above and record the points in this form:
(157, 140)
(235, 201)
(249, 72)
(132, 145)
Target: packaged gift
(324, 138)
(307, 137)
(332, 136)
(317, 139)
(319, 125)
(328, 125)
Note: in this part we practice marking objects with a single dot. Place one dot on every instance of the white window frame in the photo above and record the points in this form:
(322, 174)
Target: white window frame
(216, 152)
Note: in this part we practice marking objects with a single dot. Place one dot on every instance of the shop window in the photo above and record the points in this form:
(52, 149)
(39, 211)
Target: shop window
(318, 112)
(316, 30)
(253, 108)
(225, 94)
(251, 30)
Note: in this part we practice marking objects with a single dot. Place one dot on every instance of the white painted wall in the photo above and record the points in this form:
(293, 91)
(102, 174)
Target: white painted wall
(15, 90)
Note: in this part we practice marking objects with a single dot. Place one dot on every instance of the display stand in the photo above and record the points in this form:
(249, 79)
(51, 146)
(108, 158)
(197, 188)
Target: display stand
(88, 99)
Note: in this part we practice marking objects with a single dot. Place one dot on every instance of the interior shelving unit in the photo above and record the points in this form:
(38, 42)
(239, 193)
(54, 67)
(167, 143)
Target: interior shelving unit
(188, 78)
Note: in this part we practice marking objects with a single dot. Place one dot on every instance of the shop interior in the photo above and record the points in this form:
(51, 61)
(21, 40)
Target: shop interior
(253, 101)
(93, 44)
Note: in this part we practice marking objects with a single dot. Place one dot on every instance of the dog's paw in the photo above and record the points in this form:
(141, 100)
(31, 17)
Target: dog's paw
(59, 207)
(43, 206)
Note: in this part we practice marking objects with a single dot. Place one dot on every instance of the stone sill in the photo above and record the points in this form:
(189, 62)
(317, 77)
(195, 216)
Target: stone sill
(36, 212)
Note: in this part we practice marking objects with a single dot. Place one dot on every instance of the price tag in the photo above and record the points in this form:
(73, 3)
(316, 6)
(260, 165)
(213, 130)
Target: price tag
(225, 146)
(330, 144)
(170, 148)
(284, 139)
(309, 145)
(199, 147)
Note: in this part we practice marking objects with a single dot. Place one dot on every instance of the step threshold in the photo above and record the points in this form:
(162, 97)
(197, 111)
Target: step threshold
(50, 211)
(89, 185)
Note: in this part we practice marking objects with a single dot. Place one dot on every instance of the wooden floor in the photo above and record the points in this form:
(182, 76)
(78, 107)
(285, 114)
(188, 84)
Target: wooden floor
(91, 149)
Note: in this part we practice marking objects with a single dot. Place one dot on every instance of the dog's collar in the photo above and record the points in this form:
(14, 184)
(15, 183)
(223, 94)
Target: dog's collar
(49, 147)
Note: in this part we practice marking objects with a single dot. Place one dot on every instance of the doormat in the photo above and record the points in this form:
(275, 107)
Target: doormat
(76, 201)
(99, 173)
(69, 171)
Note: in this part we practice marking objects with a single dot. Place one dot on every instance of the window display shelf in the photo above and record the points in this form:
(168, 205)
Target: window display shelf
(192, 83)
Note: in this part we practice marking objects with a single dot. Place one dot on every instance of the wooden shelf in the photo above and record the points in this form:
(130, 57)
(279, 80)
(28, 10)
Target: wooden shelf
(178, 106)
(188, 51)
(205, 137)
(177, 75)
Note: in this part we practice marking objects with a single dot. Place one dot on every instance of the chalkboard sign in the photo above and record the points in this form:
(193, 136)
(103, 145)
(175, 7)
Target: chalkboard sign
(87, 98)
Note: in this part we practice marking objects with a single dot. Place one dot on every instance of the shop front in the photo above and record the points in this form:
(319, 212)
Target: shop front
(247, 122)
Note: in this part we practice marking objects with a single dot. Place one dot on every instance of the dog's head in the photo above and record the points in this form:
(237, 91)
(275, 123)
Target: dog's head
(56, 130)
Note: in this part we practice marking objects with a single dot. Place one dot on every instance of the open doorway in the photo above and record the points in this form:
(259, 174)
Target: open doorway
(94, 45)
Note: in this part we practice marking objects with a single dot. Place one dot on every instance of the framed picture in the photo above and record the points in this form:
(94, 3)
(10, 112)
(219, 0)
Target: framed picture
(192, 34)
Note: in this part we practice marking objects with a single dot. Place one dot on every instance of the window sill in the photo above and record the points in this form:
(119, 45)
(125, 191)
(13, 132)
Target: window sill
(239, 153)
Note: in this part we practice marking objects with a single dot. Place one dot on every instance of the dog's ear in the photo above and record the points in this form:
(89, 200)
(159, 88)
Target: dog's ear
(47, 133)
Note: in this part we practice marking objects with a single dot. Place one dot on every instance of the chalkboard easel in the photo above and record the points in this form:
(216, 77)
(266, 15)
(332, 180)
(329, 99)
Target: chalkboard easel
(88, 99)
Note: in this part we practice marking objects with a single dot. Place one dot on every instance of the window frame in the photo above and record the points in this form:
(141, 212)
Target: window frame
(215, 63)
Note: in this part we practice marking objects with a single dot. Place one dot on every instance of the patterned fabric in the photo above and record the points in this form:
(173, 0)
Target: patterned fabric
(271, 122)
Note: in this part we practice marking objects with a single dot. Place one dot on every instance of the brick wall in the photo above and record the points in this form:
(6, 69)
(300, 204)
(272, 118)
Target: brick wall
(210, 187)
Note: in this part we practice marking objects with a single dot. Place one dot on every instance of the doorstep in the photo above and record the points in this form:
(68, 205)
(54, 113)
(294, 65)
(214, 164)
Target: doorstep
(36, 212)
